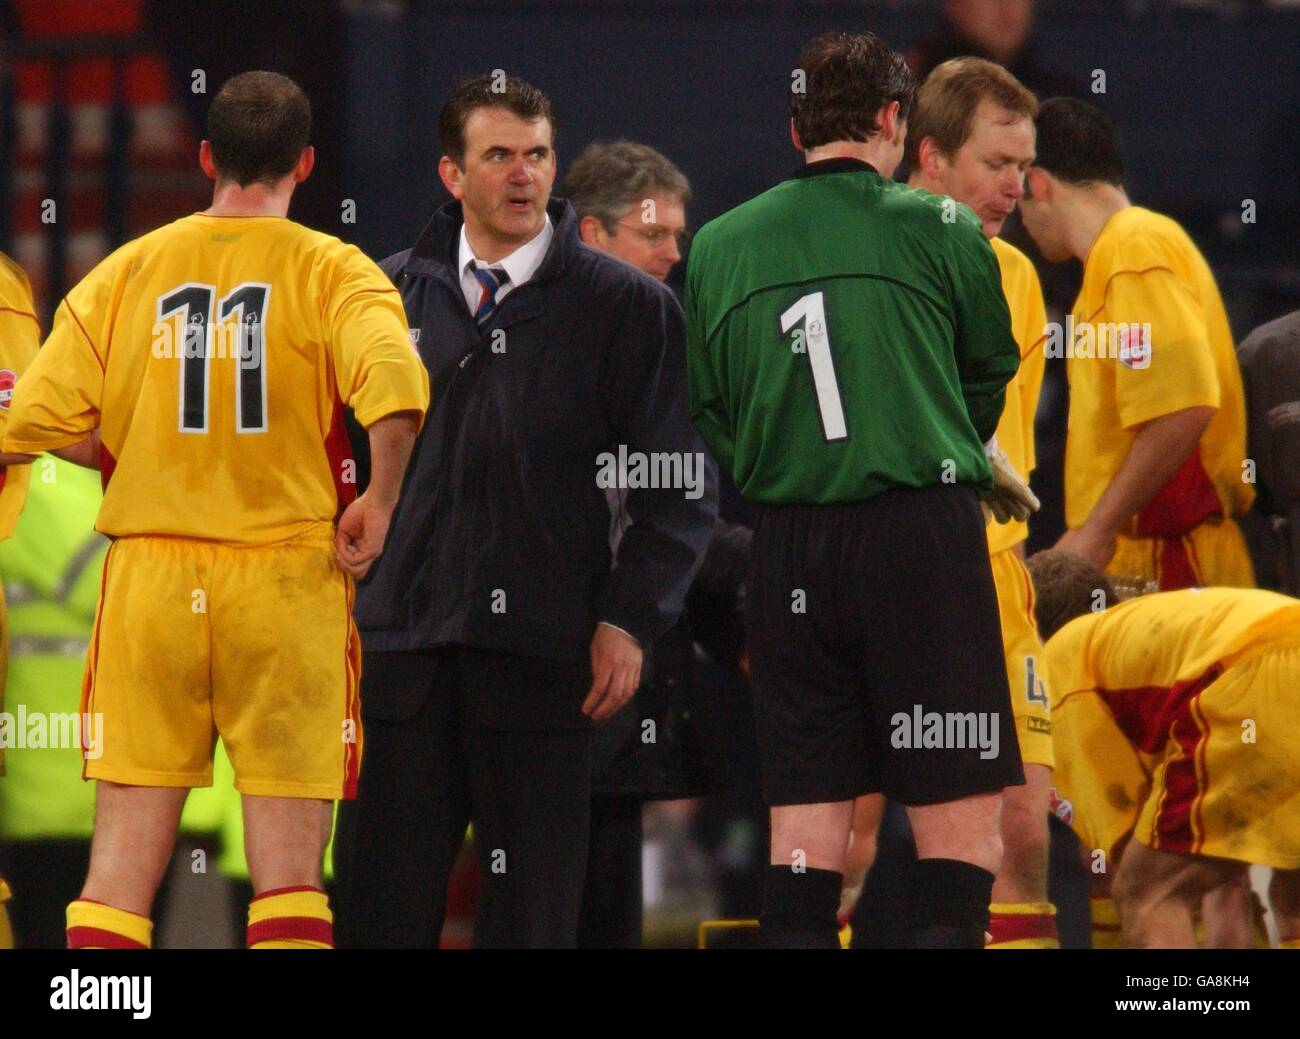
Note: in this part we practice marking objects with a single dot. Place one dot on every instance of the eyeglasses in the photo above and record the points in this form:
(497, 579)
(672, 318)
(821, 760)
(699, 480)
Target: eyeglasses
(657, 236)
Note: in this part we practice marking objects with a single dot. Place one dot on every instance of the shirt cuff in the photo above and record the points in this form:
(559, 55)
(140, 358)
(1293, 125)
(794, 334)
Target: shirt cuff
(623, 630)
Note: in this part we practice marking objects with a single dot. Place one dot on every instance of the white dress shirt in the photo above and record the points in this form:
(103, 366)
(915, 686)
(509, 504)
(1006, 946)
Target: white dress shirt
(520, 265)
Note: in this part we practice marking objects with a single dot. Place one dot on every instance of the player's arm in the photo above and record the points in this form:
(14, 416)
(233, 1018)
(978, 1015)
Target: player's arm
(708, 408)
(56, 402)
(364, 523)
(382, 379)
(987, 354)
(1168, 399)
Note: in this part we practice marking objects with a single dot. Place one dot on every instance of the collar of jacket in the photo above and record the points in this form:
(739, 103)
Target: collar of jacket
(835, 165)
(436, 252)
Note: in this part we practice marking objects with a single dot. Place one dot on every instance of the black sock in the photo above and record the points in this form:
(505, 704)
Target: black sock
(799, 909)
(952, 904)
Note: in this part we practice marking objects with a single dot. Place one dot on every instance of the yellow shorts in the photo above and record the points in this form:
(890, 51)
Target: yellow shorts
(1225, 784)
(195, 639)
(1026, 661)
(1211, 555)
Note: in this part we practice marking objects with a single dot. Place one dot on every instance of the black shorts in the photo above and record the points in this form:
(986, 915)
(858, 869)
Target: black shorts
(876, 651)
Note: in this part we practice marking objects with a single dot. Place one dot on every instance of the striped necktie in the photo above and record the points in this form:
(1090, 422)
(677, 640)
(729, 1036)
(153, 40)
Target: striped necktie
(491, 278)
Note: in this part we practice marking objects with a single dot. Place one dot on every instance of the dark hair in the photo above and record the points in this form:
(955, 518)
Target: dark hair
(496, 90)
(1077, 143)
(947, 101)
(846, 79)
(609, 176)
(258, 125)
(1065, 587)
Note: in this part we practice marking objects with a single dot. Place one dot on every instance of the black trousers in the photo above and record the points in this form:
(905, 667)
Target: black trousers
(612, 910)
(458, 735)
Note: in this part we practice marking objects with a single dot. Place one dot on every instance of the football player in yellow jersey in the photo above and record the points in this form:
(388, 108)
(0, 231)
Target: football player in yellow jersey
(1154, 457)
(214, 358)
(19, 337)
(1174, 716)
(971, 137)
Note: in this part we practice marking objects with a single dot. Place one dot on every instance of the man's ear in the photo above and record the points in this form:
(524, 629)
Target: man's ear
(890, 125)
(206, 164)
(929, 158)
(794, 137)
(306, 163)
(592, 231)
(1038, 184)
(451, 176)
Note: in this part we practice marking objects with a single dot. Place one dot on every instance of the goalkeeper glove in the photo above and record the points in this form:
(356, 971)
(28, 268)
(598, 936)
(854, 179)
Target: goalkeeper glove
(1011, 498)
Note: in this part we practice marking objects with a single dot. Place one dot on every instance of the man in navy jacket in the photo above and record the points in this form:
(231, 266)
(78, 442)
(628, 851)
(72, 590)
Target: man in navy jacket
(496, 627)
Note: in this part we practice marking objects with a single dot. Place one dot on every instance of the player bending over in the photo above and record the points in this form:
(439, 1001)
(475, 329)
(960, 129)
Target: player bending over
(1173, 718)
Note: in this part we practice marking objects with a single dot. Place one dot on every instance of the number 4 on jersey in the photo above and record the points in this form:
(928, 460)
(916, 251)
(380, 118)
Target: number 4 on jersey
(811, 309)
(193, 301)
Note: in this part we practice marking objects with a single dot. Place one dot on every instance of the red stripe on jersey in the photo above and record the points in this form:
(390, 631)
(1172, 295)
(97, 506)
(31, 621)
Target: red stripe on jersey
(1014, 927)
(98, 938)
(1146, 713)
(107, 463)
(338, 449)
(1187, 500)
(289, 928)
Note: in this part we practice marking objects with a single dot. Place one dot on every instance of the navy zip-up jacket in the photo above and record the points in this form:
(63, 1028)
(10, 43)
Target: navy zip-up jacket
(501, 536)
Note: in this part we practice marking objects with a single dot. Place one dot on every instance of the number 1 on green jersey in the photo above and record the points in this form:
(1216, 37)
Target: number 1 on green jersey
(812, 310)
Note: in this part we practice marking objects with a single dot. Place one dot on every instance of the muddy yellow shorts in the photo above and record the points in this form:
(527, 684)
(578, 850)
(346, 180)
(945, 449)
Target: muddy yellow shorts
(1026, 661)
(1226, 783)
(195, 639)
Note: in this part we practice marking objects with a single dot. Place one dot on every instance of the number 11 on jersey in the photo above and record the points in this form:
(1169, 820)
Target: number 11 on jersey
(811, 309)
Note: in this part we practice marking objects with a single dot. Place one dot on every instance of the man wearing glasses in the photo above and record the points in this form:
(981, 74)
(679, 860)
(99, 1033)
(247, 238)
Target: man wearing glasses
(631, 203)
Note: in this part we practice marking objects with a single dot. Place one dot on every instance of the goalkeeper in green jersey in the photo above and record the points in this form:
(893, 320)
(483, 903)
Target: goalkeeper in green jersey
(848, 347)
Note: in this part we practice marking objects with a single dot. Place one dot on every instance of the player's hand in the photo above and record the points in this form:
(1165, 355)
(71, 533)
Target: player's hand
(1011, 498)
(1098, 549)
(360, 535)
(615, 672)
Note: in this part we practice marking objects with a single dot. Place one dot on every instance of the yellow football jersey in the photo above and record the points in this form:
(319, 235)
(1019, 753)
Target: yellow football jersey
(1156, 703)
(1015, 431)
(1167, 347)
(1162, 640)
(216, 355)
(20, 334)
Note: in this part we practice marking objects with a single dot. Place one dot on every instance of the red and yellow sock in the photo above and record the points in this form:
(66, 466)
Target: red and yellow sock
(1105, 924)
(1023, 925)
(93, 925)
(291, 918)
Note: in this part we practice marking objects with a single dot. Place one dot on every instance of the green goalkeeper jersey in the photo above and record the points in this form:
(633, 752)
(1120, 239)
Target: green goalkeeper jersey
(846, 334)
